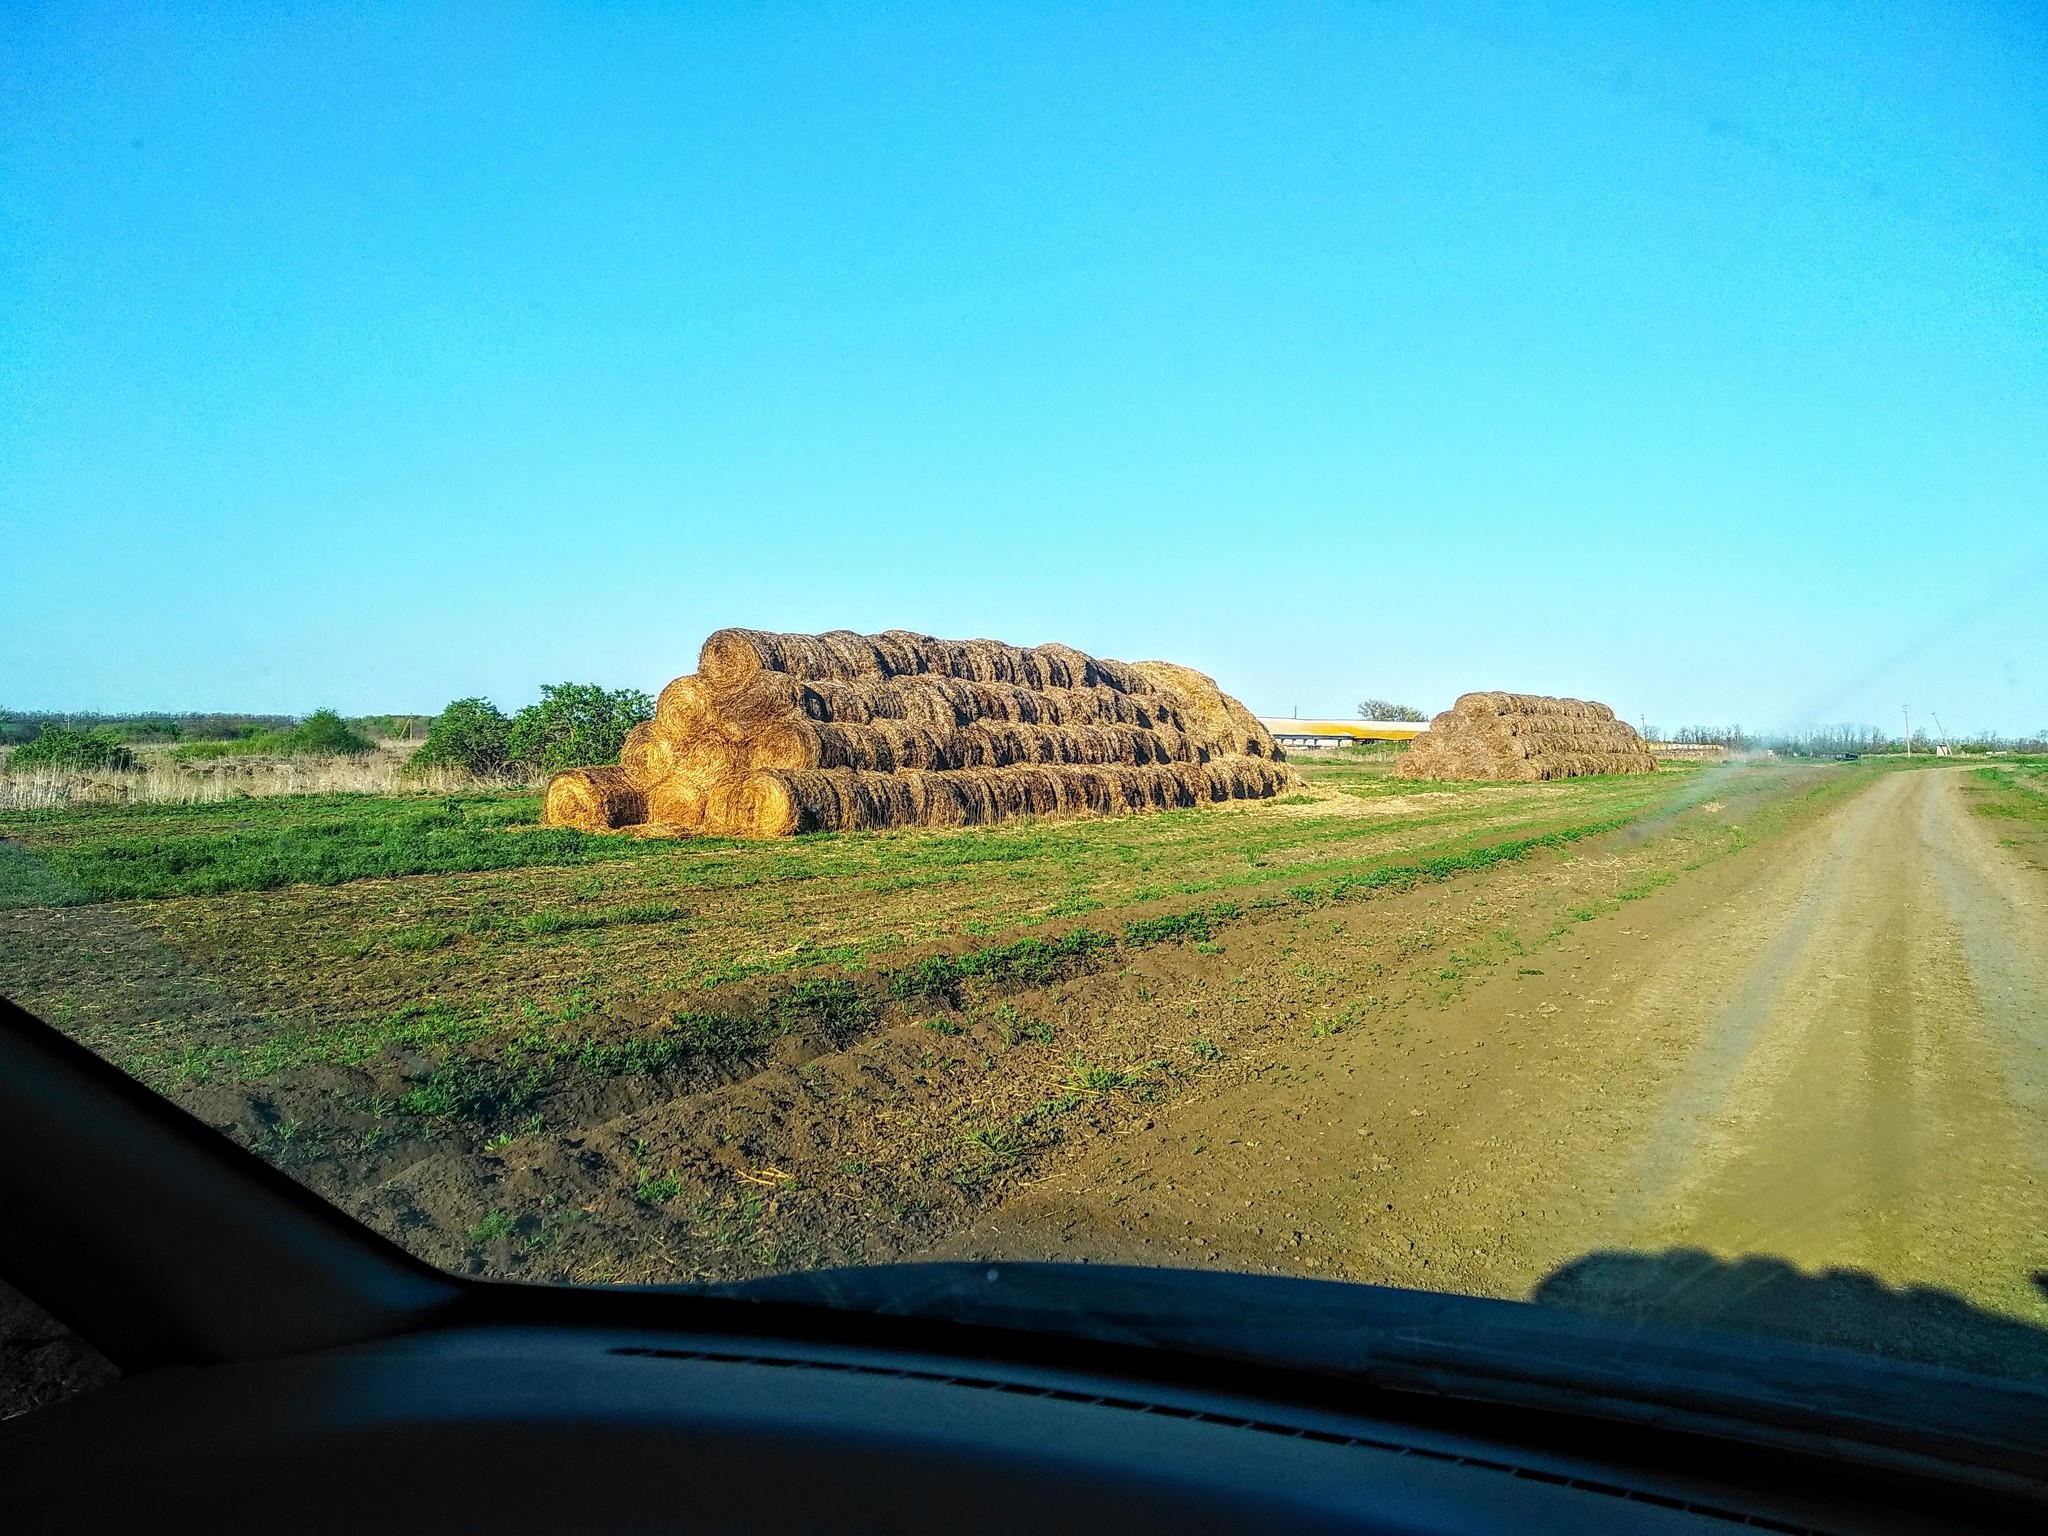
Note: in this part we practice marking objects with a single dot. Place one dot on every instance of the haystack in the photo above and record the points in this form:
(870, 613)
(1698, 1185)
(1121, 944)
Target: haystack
(1525, 736)
(779, 734)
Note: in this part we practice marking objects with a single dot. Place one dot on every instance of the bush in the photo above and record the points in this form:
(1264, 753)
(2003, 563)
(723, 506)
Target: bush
(470, 734)
(324, 733)
(60, 747)
(575, 725)
(231, 727)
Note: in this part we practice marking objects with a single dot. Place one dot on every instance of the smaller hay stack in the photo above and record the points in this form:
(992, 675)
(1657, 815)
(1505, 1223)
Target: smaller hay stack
(1525, 736)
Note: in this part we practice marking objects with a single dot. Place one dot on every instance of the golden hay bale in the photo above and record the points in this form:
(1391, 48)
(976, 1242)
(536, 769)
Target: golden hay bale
(1527, 737)
(1222, 726)
(638, 760)
(947, 701)
(784, 733)
(678, 804)
(731, 656)
(593, 800)
(796, 743)
(684, 708)
(757, 805)
(780, 802)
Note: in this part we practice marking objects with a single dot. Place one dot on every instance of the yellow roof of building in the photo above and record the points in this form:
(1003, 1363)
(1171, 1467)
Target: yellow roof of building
(1357, 730)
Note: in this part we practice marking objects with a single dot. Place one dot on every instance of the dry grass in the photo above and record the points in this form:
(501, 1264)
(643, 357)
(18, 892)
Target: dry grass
(163, 780)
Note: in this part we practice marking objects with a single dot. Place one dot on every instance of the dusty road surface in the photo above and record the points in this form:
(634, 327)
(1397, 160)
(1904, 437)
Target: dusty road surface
(1804, 1089)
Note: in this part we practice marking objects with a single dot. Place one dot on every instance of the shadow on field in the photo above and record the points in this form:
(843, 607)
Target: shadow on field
(1845, 1308)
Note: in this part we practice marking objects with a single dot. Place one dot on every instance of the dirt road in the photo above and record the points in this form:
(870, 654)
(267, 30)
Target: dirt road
(1828, 1053)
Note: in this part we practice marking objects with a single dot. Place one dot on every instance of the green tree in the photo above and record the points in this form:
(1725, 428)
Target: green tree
(575, 725)
(1387, 709)
(470, 734)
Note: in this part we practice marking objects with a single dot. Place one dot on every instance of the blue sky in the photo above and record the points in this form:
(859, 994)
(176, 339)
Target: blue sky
(1689, 359)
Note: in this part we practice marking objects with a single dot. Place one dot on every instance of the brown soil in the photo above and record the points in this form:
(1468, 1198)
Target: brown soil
(1820, 1063)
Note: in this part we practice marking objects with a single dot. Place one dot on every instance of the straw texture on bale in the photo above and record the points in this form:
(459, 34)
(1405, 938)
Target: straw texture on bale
(1525, 736)
(594, 800)
(731, 656)
(778, 734)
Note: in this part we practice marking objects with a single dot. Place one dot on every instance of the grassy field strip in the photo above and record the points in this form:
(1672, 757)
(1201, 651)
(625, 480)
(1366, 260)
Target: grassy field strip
(155, 852)
(832, 906)
(373, 949)
(538, 1038)
(130, 853)
(625, 966)
(2016, 796)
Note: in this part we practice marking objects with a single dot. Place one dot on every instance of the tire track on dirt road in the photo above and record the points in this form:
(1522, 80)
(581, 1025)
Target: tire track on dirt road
(1831, 1048)
(1869, 1096)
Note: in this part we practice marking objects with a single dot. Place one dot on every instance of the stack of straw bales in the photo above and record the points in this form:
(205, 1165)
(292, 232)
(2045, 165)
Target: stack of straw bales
(779, 734)
(1525, 736)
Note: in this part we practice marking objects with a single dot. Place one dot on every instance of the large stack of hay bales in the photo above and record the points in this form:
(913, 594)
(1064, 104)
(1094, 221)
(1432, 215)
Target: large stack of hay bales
(1525, 736)
(779, 734)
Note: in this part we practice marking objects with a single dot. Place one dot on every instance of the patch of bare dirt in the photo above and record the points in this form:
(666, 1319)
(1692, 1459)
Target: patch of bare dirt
(1827, 1054)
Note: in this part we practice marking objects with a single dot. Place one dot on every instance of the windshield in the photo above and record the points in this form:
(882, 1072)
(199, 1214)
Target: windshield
(684, 645)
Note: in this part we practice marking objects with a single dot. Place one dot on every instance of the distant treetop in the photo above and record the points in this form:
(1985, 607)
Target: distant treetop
(1387, 709)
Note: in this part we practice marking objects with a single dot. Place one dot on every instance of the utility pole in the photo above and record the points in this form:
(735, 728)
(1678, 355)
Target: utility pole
(1908, 713)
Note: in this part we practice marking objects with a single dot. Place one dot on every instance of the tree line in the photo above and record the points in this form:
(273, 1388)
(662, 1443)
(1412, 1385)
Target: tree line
(570, 725)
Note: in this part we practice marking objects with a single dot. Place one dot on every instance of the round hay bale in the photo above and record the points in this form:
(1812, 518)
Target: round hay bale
(1218, 725)
(633, 757)
(684, 709)
(757, 805)
(678, 803)
(731, 656)
(593, 800)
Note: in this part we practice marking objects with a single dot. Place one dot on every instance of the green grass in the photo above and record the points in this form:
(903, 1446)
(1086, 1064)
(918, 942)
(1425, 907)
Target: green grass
(146, 852)
(128, 853)
(839, 1008)
(1037, 962)
(2016, 795)
(655, 1189)
(508, 940)
(494, 1227)
(2020, 788)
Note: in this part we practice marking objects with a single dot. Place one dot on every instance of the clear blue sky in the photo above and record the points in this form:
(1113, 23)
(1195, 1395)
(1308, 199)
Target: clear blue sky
(1689, 360)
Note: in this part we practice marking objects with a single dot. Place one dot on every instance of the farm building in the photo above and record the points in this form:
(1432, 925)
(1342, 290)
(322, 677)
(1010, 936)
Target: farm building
(1339, 733)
